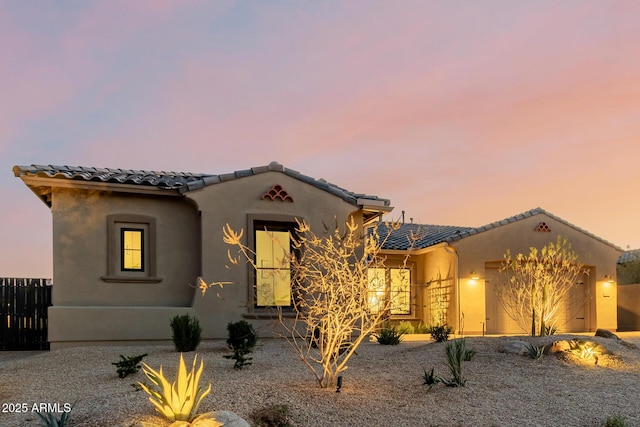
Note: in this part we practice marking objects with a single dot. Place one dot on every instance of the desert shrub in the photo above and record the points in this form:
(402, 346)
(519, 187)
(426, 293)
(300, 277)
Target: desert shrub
(421, 329)
(405, 327)
(616, 421)
(456, 352)
(388, 336)
(535, 352)
(468, 354)
(271, 416)
(429, 378)
(440, 333)
(186, 333)
(242, 339)
(128, 365)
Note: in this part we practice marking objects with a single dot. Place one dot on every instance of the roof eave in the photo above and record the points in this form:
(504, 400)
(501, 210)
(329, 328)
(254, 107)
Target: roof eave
(42, 187)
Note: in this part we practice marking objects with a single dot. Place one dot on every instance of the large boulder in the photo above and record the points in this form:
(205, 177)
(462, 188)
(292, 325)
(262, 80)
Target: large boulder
(605, 333)
(513, 346)
(229, 419)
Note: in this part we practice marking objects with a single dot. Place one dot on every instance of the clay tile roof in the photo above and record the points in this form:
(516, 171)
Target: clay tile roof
(181, 181)
(164, 180)
(629, 256)
(434, 234)
(425, 235)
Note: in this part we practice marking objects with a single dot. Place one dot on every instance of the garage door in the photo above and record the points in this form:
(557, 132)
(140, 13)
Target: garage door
(571, 316)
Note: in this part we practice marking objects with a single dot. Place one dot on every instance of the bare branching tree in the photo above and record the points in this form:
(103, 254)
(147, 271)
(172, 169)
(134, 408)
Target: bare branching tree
(334, 308)
(538, 285)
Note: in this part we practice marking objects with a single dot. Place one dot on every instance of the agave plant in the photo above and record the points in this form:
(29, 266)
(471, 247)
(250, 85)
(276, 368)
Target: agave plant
(178, 401)
(49, 420)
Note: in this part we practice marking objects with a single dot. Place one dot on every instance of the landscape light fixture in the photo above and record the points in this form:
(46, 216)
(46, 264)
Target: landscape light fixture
(339, 384)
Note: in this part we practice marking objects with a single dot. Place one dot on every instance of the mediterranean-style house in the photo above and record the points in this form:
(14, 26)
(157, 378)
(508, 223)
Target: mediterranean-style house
(454, 271)
(130, 246)
(128, 243)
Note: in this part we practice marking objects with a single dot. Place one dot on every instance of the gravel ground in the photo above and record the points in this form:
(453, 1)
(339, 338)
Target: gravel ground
(383, 386)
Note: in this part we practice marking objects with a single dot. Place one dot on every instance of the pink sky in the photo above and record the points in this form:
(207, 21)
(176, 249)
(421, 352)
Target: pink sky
(461, 113)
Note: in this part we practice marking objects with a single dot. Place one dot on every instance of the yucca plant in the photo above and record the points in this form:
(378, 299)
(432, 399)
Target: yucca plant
(178, 401)
(456, 352)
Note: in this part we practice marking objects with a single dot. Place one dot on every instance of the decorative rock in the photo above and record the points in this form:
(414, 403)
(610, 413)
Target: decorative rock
(604, 333)
(230, 419)
(515, 347)
(559, 346)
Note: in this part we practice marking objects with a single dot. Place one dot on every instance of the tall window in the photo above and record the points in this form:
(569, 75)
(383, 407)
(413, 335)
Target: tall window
(377, 289)
(392, 286)
(273, 248)
(400, 291)
(132, 249)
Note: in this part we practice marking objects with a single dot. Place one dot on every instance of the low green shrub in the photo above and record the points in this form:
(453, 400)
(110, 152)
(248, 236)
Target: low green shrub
(440, 333)
(242, 339)
(405, 327)
(186, 333)
(271, 416)
(388, 336)
(421, 329)
(616, 421)
(128, 365)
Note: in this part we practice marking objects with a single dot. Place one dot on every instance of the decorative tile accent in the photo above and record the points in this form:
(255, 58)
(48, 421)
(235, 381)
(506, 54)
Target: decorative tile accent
(543, 227)
(277, 193)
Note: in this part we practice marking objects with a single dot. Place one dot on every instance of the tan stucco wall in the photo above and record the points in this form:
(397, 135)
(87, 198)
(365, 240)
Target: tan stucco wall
(233, 202)
(87, 309)
(440, 287)
(519, 236)
(629, 307)
(80, 250)
(80, 325)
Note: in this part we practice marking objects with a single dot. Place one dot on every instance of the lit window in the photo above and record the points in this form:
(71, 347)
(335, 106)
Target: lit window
(396, 295)
(273, 273)
(132, 249)
(377, 289)
(400, 290)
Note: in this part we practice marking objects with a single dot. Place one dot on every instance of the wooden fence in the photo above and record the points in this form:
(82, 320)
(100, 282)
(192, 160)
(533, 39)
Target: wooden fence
(23, 313)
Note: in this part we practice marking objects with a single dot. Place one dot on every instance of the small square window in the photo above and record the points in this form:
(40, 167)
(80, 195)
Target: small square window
(131, 249)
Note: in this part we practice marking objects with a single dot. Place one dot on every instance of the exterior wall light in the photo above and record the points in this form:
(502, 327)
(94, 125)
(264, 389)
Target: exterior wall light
(474, 275)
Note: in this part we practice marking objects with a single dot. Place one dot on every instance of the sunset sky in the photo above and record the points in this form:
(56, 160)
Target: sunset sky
(460, 112)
